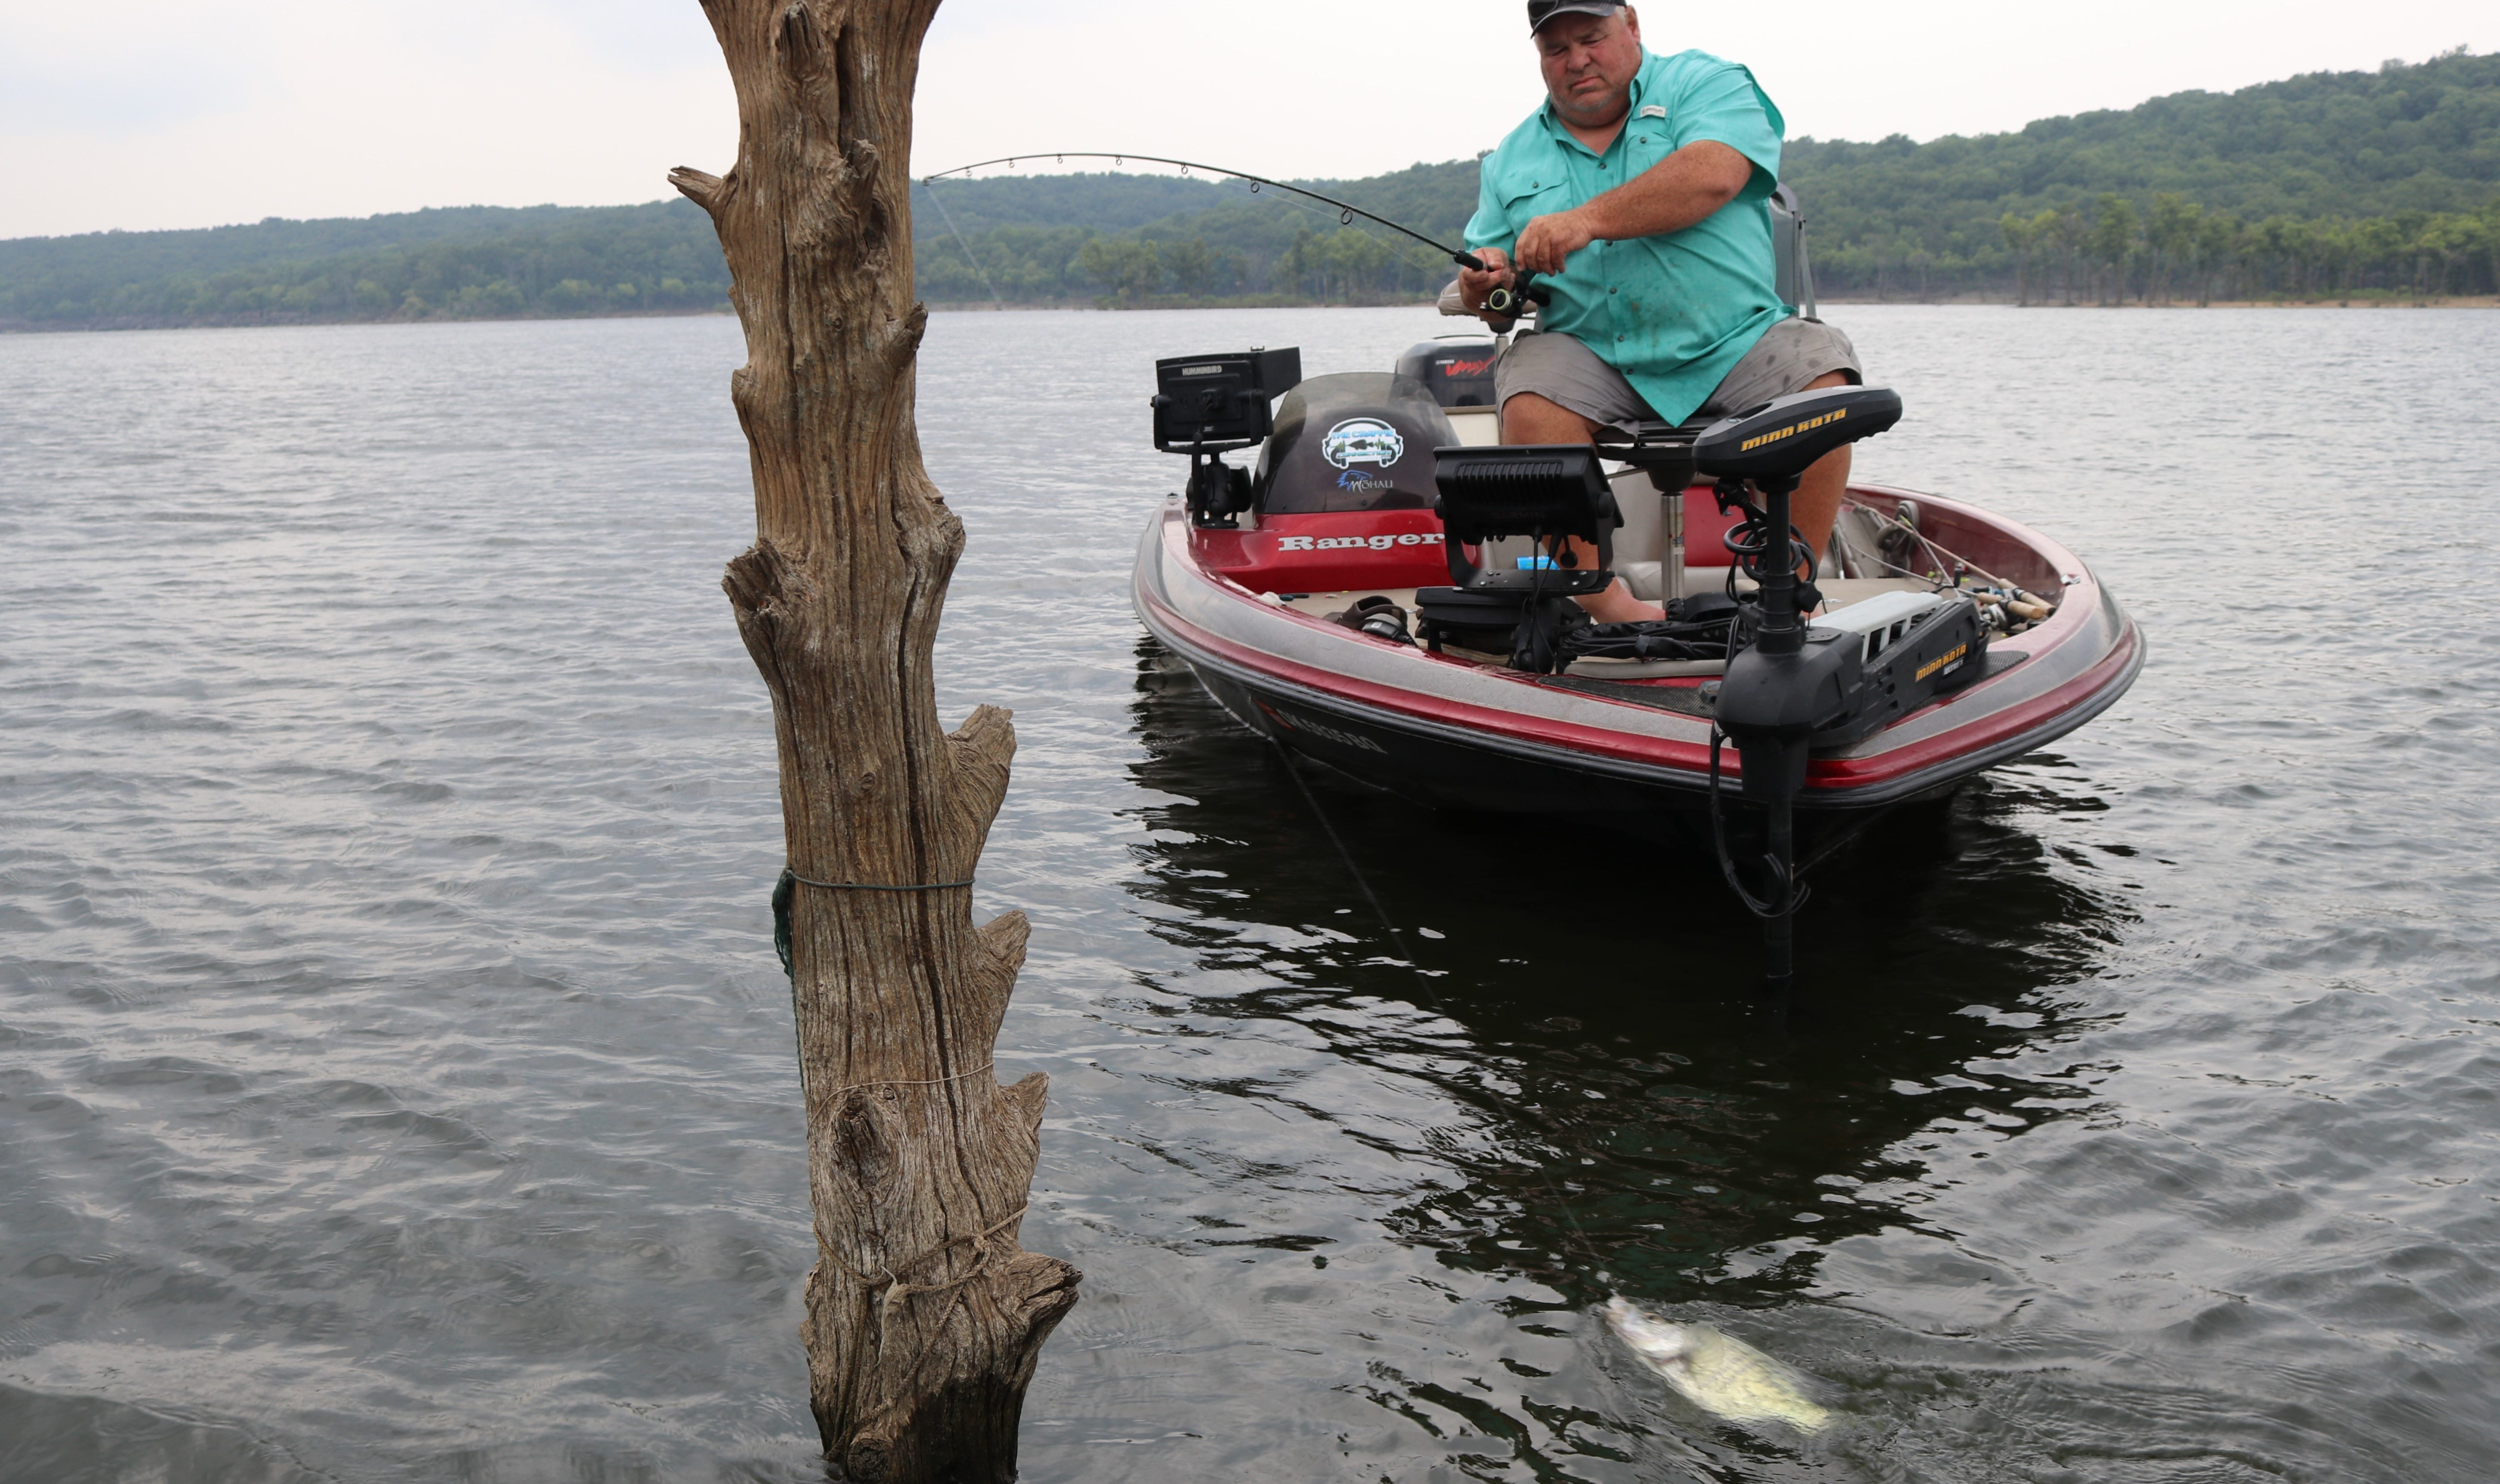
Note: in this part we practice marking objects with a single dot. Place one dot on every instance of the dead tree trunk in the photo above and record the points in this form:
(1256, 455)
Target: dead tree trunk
(924, 1316)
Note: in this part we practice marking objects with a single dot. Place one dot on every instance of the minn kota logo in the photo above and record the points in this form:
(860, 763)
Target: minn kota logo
(1807, 426)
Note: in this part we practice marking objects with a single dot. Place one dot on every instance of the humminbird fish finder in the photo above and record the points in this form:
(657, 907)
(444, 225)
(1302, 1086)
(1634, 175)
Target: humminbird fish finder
(1549, 492)
(1208, 405)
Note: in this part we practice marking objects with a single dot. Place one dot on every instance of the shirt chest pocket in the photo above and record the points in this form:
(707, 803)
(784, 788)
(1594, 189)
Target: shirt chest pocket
(1648, 145)
(1523, 201)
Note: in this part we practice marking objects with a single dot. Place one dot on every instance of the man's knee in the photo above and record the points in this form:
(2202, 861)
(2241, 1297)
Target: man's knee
(1529, 418)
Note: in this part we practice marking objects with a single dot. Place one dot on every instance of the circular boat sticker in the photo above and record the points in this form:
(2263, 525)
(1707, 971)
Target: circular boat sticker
(1363, 441)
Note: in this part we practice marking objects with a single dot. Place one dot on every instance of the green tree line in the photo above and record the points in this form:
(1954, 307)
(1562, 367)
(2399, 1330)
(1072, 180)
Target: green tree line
(2372, 183)
(2406, 149)
(2175, 249)
(469, 263)
(2376, 184)
(1226, 244)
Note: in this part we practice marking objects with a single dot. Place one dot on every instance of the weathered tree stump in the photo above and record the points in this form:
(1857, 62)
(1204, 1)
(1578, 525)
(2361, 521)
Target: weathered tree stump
(925, 1318)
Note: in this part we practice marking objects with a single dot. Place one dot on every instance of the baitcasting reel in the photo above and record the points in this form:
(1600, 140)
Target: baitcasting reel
(1513, 298)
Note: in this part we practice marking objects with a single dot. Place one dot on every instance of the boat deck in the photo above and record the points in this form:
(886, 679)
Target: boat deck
(1838, 593)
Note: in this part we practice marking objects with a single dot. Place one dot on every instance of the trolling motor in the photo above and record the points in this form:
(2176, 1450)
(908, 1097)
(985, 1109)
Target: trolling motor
(1207, 405)
(1794, 687)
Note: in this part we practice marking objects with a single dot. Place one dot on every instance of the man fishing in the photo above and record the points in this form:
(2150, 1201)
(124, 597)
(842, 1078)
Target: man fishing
(1636, 196)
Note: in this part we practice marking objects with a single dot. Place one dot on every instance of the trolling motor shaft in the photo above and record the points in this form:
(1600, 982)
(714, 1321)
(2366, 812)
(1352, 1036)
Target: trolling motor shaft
(1770, 705)
(1782, 695)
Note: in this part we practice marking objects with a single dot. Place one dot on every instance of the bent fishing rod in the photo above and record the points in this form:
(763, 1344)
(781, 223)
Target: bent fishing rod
(1510, 300)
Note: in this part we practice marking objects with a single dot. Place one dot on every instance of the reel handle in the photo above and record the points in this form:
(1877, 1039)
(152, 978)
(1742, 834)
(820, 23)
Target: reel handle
(1512, 299)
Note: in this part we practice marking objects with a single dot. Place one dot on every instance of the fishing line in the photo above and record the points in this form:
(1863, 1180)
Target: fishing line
(1545, 1178)
(1422, 984)
(931, 187)
(1596, 1263)
(1347, 209)
(1934, 550)
(1404, 253)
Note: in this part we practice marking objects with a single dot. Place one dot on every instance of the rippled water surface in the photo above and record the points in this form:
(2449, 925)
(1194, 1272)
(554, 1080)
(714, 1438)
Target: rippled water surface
(396, 1079)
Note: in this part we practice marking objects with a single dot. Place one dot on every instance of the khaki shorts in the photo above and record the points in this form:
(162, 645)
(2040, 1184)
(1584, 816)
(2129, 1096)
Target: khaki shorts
(1563, 371)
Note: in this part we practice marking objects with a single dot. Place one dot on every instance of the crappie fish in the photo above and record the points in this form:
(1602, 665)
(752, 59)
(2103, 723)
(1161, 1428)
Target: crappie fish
(1715, 1373)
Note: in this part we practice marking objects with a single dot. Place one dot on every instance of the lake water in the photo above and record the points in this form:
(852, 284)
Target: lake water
(396, 1079)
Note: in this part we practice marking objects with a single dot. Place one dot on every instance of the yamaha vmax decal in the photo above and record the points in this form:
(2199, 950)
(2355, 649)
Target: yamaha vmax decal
(1351, 542)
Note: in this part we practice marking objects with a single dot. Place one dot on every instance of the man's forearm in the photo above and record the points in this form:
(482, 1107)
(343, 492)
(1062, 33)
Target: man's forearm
(1673, 194)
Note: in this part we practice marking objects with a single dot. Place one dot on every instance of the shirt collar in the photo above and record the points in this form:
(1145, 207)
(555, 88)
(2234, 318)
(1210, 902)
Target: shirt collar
(1555, 129)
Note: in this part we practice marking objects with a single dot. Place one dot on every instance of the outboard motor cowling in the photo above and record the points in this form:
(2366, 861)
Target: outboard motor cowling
(1356, 441)
(1458, 369)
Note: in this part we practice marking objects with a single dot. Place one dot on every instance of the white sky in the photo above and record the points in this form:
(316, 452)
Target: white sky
(185, 113)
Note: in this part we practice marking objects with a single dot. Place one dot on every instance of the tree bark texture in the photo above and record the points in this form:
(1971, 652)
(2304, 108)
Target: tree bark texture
(925, 1317)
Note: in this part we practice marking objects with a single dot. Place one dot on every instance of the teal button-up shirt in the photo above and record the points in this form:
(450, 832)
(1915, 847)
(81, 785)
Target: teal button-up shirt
(1674, 312)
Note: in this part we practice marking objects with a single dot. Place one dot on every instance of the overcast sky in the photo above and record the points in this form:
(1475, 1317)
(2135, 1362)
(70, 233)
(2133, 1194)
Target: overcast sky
(183, 113)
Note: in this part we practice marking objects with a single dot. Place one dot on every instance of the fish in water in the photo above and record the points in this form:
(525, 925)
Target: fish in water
(1715, 1373)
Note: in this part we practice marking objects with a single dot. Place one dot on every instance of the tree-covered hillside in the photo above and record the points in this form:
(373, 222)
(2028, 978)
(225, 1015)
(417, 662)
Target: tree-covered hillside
(468, 262)
(2383, 182)
(1241, 245)
(2334, 182)
(2400, 145)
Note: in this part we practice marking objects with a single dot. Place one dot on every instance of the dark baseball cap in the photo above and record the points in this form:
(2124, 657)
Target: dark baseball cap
(1540, 12)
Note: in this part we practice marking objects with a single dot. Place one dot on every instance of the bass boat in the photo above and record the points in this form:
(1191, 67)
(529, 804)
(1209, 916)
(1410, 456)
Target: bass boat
(1388, 591)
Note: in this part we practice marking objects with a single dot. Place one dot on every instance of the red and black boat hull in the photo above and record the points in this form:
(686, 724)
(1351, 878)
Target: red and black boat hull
(1451, 730)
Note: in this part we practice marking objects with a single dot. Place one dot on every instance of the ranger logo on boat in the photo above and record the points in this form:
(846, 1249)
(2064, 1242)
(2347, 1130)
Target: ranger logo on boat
(1363, 441)
(1380, 542)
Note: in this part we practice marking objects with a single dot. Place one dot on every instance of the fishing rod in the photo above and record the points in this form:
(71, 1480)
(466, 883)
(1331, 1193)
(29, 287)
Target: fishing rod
(1510, 300)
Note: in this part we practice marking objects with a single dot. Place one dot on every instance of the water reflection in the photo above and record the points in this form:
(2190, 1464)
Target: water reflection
(1638, 1119)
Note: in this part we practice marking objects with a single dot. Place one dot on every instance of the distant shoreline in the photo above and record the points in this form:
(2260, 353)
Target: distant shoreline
(1962, 301)
(983, 307)
(2442, 301)
(298, 322)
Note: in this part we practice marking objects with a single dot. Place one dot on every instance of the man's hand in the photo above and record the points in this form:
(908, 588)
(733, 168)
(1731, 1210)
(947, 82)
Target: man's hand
(1474, 285)
(1551, 239)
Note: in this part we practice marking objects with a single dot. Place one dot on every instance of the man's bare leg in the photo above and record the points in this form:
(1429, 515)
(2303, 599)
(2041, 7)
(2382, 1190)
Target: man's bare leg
(1529, 418)
(1816, 504)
